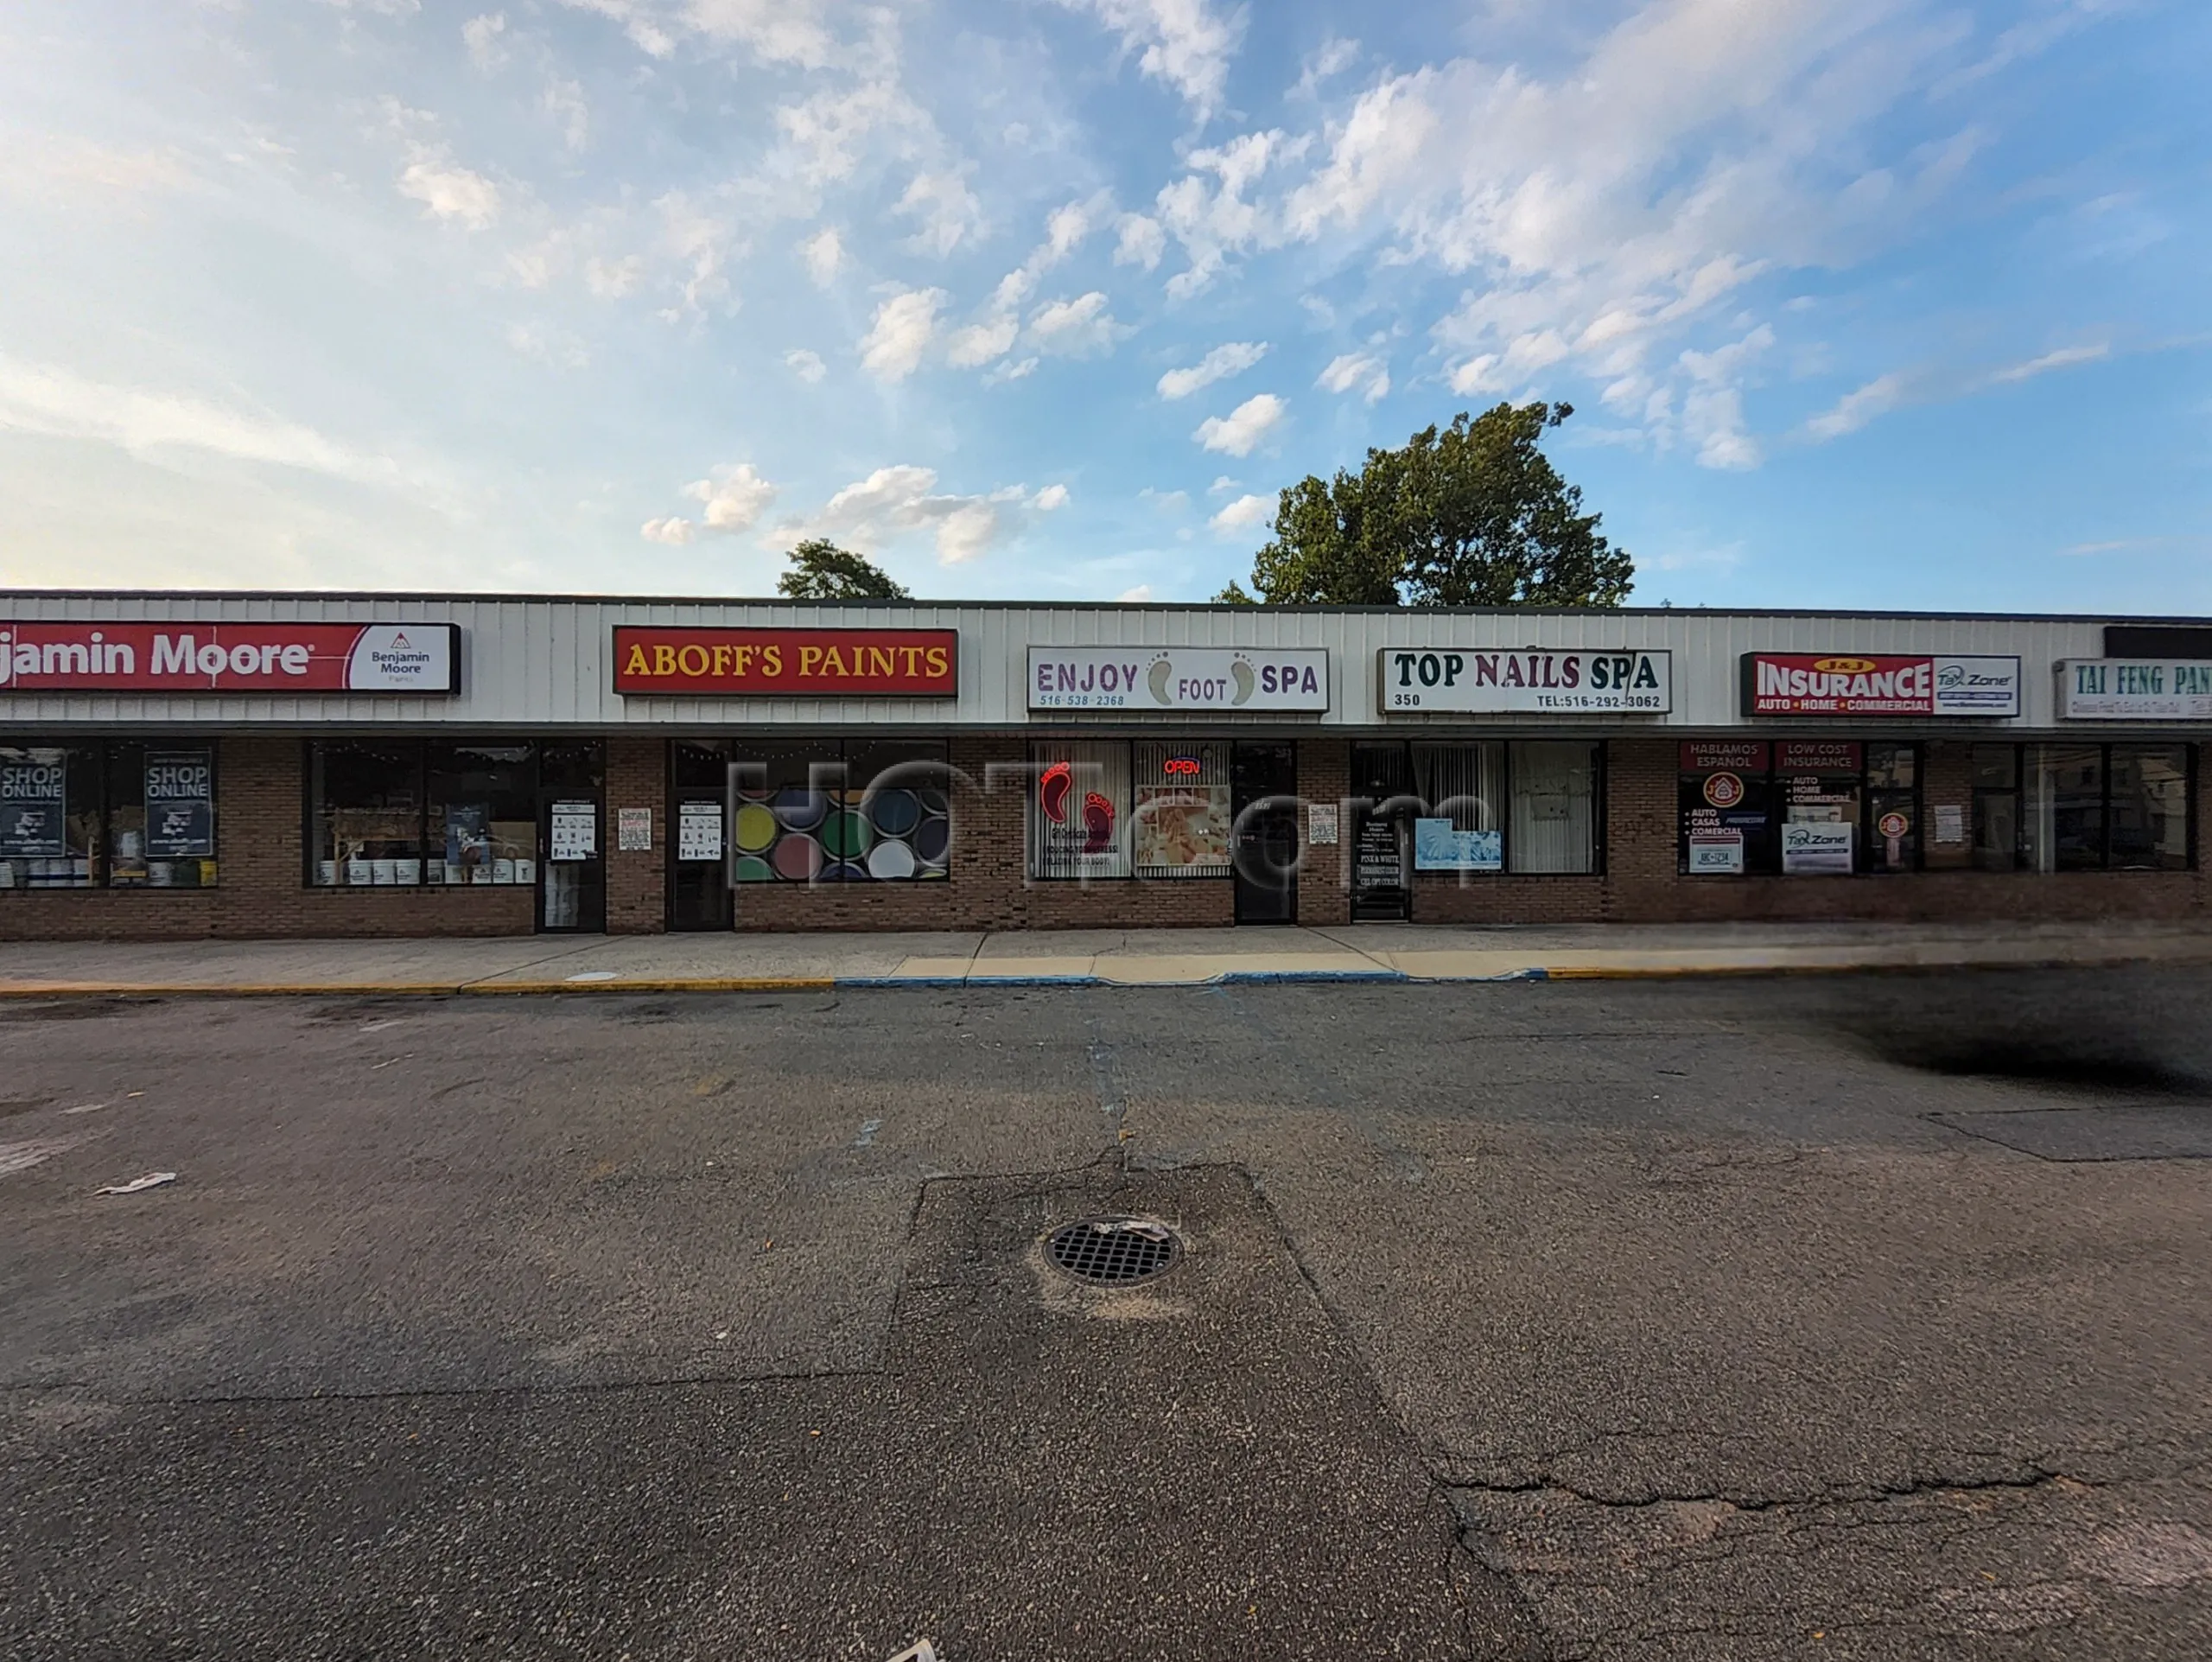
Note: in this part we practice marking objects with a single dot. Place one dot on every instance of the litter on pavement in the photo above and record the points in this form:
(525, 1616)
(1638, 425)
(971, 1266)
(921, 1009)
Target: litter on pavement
(151, 1180)
(922, 1651)
(1151, 1232)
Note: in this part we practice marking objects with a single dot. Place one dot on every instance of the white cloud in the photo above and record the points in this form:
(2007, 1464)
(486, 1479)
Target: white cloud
(974, 344)
(2064, 357)
(1232, 358)
(1604, 212)
(1243, 514)
(895, 501)
(674, 530)
(1214, 218)
(481, 36)
(56, 402)
(555, 347)
(1185, 43)
(733, 498)
(807, 365)
(1073, 329)
(1854, 409)
(612, 279)
(1139, 596)
(904, 326)
(824, 255)
(1014, 371)
(703, 242)
(1359, 371)
(775, 31)
(1337, 55)
(1239, 432)
(1139, 240)
(447, 191)
(825, 134)
(946, 209)
(1051, 498)
(1713, 404)
(564, 101)
(1222, 483)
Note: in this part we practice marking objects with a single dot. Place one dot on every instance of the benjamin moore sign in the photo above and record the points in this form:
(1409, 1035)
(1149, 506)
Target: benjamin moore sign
(2135, 689)
(1179, 677)
(1484, 680)
(1879, 683)
(192, 657)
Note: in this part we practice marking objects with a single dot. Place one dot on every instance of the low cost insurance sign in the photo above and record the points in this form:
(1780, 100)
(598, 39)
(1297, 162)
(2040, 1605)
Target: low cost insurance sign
(196, 657)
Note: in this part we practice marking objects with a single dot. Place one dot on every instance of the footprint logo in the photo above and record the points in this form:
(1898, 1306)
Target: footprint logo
(1162, 672)
(1241, 673)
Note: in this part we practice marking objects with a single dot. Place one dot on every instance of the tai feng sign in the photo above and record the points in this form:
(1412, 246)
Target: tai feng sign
(1531, 681)
(763, 663)
(197, 656)
(2135, 688)
(1179, 677)
(1879, 683)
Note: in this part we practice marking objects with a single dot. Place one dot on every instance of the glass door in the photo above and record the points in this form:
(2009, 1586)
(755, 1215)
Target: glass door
(698, 868)
(1264, 842)
(1381, 833)
(572, 871)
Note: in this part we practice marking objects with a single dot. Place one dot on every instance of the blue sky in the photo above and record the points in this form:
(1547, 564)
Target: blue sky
(1884, 303)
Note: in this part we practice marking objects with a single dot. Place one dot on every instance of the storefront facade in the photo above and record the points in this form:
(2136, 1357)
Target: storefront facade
(178, 765)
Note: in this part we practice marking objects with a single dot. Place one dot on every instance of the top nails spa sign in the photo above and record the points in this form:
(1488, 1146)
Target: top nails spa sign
(248, 657)
(819, 663)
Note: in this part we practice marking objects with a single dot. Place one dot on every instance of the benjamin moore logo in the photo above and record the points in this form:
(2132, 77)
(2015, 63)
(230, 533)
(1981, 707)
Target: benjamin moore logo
(1844, 665)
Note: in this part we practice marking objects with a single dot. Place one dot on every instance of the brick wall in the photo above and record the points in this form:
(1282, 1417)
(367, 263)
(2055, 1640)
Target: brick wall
(637, 881)
(262, 893)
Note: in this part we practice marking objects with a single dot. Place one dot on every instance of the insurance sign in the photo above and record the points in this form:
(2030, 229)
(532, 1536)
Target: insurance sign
(1879, 683)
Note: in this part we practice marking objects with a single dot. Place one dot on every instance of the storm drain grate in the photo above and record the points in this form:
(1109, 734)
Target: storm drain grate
(1114, 1251)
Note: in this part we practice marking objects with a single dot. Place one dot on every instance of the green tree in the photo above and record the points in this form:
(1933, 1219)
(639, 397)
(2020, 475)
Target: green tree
(822, 571)
(1472, 514)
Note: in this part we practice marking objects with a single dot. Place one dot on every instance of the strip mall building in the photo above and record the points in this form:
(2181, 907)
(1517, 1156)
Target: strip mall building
(183, 765)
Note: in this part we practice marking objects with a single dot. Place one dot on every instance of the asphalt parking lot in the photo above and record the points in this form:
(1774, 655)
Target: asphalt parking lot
(1853, 1316)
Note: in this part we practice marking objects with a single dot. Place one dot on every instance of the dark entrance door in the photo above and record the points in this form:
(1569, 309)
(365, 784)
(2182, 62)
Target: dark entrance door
(1264, 803)
(699, 895)
(1381, 833)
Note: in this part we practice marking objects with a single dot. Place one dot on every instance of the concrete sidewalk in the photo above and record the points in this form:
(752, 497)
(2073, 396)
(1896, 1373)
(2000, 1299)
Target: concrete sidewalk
(1367, 952)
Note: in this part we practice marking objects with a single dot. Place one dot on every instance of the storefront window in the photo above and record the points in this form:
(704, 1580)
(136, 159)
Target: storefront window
(395, 813)
(1802, 807)
(1554, 806)
(2094, 807)
(822, 810)
(2147, 827)
(482, 802)
(365, 814)
(1996, 774)
(1182, 809)
(1079, 811)
(127, 814)
(1724, 800)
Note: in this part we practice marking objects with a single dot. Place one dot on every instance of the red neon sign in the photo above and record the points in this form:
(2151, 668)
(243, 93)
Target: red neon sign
(1182, 768)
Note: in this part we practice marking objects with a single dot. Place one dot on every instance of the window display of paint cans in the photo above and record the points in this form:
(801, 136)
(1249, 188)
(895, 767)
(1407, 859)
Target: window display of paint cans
(798, 836)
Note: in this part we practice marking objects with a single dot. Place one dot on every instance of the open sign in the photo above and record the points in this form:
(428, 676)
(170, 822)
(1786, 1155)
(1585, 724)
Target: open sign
(1182, 768)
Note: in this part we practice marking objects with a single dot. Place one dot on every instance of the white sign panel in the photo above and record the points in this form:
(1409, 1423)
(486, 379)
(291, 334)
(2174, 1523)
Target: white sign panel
(1717, 854)
(1438, 845)
(1320, 823)
(1179, 677)
(1486, 680)
(698, 831)
(2135, 689)
(403, 657)
(573, 832)
(1818, 847)
(633, 830)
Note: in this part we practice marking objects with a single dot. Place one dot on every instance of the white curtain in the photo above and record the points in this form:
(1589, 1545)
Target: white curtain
(1555, 807)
